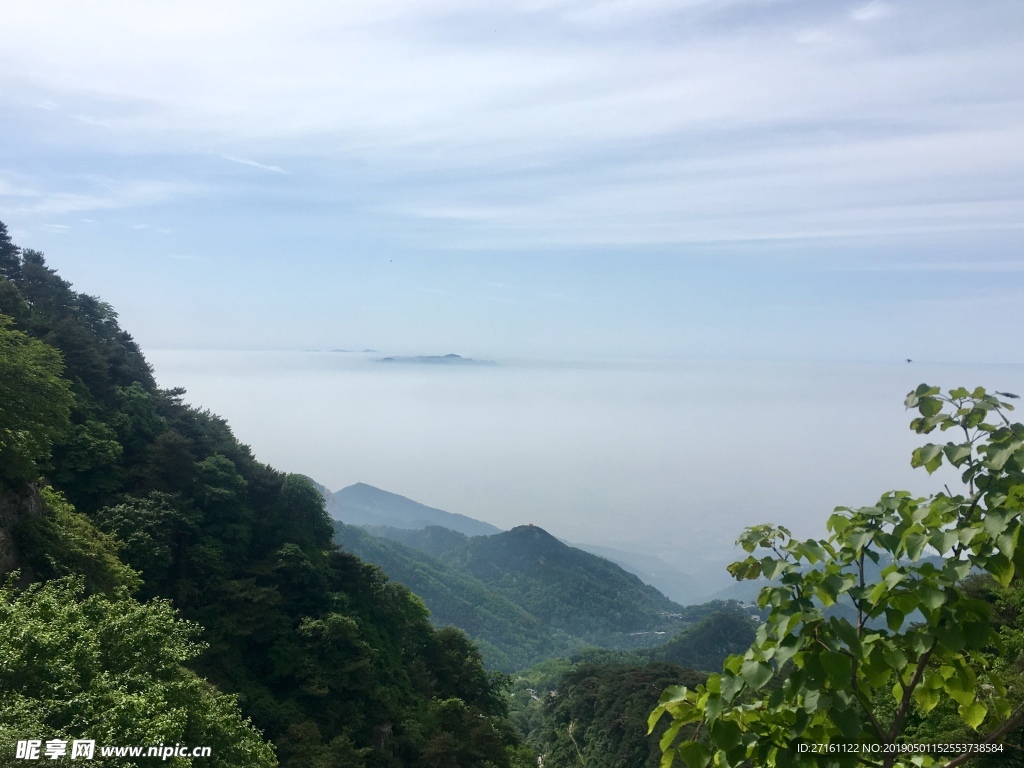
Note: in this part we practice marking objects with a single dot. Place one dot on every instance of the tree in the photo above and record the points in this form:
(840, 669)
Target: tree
(10, 255)
(35, 403)
(911, 637)
(111, 669)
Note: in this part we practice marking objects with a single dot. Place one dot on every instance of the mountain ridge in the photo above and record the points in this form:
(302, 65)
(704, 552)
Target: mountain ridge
(364, 504)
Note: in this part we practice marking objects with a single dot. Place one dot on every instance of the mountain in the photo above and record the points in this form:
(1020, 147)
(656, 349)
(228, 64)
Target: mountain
(362, 504)
(583, 595)
(573, 590)
(509, 637)
(728, 630)
(687, 588)
(331, 504)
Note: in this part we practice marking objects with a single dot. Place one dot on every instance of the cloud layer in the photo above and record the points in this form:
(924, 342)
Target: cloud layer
(545, 122)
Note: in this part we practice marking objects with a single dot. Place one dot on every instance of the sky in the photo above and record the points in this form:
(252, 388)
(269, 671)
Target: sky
(739, 181)
(739, 178)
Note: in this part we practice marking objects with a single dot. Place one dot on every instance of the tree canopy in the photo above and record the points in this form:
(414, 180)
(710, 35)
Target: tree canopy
(111, 669)
(35, 403)
(915, 639)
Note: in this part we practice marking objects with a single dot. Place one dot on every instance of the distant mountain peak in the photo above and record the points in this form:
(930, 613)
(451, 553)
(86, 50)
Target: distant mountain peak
(533, 530)
(449, 359)
(366, 505)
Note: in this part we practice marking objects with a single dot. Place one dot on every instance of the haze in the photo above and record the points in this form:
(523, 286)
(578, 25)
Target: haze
(672, 458)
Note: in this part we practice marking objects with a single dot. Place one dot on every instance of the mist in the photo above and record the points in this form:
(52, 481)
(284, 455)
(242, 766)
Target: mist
(669, 457)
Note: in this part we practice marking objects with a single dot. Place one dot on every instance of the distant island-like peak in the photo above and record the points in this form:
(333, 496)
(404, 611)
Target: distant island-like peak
(449, 359)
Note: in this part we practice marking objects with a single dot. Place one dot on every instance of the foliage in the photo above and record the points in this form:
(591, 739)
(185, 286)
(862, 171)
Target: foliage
(598, 715)
(598, 700)
(816, 679)
(111, 669)
(58, 541)
(706, 644)
(35, 403)
(154, 532)
(523, 593)
(509, 637)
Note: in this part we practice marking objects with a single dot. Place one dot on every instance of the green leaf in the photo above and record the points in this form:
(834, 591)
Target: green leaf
(894, 619)
(957, 454)
(996, 459)
(895, 658)
(847, 633)
(1001, 568)
(838, 666)
(943, 541)
(694, 754)
(848, 720)
(726, 734)
(996, 521)
(838, 523)
(811, 698)
(670, 734)
(950, 634)
(755, 673)
(915, 545)
(930, 596)
(973, 713)
(745, 569)
(926, 698)
(731, 685)
(960, 693)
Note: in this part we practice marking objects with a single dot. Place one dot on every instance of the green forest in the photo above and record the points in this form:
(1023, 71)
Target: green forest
(160, 585)
(522, 595)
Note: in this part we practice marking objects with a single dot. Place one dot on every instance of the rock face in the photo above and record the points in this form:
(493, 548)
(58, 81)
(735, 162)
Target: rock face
(16, 506)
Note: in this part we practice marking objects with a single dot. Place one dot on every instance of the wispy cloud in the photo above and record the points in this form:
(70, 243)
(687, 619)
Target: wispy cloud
(872, 11)
(46, 198)
(254, 164)
(933, 266)
(547, 120)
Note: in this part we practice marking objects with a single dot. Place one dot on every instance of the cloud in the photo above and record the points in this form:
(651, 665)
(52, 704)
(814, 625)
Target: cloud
(254, 164)
(872, 11)
(934, 266)
(543, 120)
(96, 194)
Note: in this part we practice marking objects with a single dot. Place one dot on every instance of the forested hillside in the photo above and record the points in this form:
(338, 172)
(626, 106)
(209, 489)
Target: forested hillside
(509, 637)
(522, 595)
(573, 591)
(162, 556)
(592, 709)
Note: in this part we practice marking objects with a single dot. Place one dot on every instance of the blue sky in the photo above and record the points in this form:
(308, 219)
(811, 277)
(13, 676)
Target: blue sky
(550, 178)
